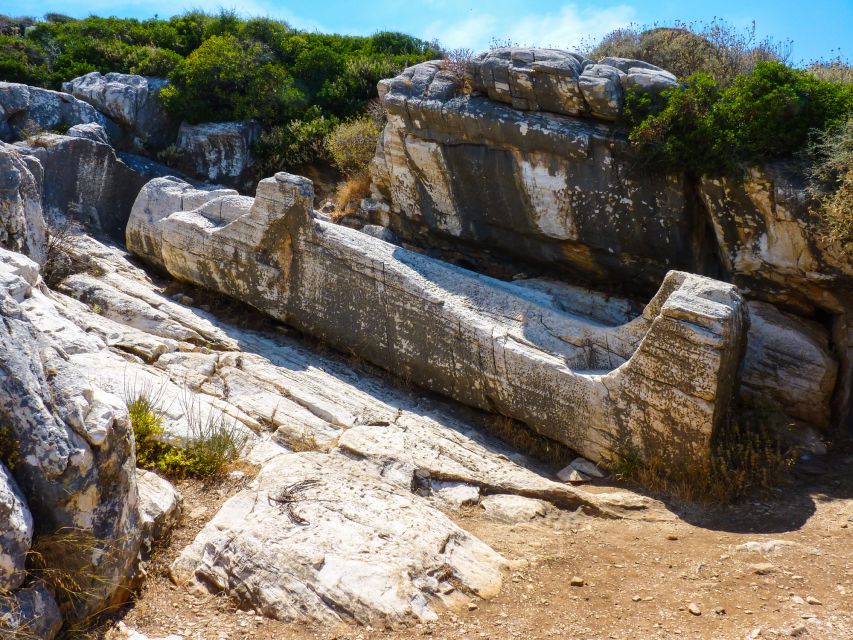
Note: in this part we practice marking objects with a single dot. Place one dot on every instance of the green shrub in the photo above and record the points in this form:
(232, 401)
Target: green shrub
(295, 144)
(226, 79)
(714, 48)
(152, 61)
(701, 128)
(22, 61)
(831, 178)
(770, 112)
(677, 136)
(352, 145)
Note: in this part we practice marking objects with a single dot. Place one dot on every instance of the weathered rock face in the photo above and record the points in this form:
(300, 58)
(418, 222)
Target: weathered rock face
(661, 382)
(773, 249)
(130, 100)
(219, 152)
(23, 229)
(73, 449)
(353, 547)
(465, 171)
(16, 529)
(562, 82)
(771, 245)
(85, 180)
(789, 366)
(26, 110)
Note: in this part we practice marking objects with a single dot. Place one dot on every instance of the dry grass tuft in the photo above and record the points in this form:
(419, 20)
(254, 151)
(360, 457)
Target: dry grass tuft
(746, 457)
(350, 194)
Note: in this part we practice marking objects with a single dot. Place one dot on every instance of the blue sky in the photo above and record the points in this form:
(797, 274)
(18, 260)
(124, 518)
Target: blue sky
(820, 28)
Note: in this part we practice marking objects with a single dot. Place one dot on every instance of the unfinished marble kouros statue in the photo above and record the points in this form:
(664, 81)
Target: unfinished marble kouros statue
(660, 383)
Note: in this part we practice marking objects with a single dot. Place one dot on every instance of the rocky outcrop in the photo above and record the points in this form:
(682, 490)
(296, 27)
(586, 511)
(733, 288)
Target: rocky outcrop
(16, 525)
(130, 100)
(219, 152)
(70, 440)
(660, 383)
(23, 228)
(337, 542)
(518, 170)
(463, 171)
(86, 181)
(26, 111)
(562, 82)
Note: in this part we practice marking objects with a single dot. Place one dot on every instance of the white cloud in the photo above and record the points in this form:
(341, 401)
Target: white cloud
(567, 27)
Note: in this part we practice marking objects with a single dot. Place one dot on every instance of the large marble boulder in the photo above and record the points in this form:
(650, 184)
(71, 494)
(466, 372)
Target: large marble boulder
(502, 179)
(338, 543)
(23, 227)
(661, 382)
(562, 82)
(71, 442)
(16, 526)
(477, 176)
(26, 111)
(85, 180)
(219, 152)
(130, 100)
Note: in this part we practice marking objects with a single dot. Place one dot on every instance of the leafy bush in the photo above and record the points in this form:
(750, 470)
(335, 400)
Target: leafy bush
(21, 61)
(296, 144)
(767, 113)
(152, 61)
(352, 145)
(714, 48)
(226, 79)
(831, 178)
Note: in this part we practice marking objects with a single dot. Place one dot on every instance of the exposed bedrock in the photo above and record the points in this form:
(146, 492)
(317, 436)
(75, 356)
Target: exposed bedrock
(26, 111)
(130, 100)
(67, 442)
(661, 382)
(498, 173)
(83, 179)
(219, 152)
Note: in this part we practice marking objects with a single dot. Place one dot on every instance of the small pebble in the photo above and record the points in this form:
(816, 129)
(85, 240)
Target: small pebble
(762, 568)
(472, 606)
(813, 600)
(576, 581)
(694, 609)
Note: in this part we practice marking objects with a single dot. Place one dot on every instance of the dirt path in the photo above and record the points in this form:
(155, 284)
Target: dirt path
(640, 578)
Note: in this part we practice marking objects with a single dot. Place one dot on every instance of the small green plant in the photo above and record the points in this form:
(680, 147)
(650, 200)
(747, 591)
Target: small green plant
(146, 417)
(213, 441)
(10, 454)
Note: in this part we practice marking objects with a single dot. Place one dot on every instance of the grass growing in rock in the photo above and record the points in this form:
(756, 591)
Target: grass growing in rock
(213, 442)
(745, 457)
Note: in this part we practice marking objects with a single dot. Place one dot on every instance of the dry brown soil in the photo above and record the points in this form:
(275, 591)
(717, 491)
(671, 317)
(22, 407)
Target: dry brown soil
(640, 577)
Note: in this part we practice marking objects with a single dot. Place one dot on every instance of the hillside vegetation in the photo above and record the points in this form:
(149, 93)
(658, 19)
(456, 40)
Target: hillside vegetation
(298, 84)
